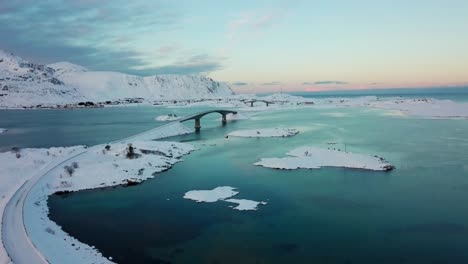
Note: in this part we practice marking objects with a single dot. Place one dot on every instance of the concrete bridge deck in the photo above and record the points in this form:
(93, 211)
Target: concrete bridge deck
(252, 101)
(198, 116)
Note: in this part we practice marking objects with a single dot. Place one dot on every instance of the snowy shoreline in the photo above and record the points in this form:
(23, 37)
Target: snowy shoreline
(131, 161)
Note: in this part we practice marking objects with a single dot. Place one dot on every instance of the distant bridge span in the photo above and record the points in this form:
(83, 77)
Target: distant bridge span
(198, 116)
(252, 101)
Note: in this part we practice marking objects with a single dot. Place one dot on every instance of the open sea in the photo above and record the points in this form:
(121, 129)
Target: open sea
(416, 213)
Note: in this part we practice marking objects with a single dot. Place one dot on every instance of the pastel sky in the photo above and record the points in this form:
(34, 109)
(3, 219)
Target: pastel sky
(256, 46)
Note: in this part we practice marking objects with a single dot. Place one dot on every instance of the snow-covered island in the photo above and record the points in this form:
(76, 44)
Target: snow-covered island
(222, 194)
(265, 132)
(315, 158)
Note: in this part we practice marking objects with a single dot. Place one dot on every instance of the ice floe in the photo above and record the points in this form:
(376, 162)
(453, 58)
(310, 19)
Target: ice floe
(211, 196)
(3, 130)
(314, 158)
(244, 204)
(265, 132)
(222, 194)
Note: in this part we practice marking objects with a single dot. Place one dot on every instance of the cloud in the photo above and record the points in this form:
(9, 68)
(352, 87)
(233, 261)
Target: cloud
(272, 83)
(239, 83)
(98, 34)
(253, 22)
(324, 83)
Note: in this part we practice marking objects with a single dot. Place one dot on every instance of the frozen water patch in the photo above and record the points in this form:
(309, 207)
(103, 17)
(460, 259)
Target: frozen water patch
(266, 132)
(314, 158)
(245, 205)
(211, 196)
(222, 194)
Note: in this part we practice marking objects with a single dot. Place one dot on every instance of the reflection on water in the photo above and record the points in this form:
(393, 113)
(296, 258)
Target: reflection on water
(414, 214)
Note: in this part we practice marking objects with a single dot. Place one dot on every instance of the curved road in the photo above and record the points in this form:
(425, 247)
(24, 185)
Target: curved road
(15, 237)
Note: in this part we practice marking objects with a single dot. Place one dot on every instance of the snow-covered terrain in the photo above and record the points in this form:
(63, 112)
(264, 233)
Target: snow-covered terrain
(265, 132)
(60, 170)
(26, 84)
(101, 166)
(315, 158)
(17, 166)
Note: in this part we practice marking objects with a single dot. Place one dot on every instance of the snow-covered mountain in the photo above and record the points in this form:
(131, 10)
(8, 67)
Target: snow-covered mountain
(24, 84)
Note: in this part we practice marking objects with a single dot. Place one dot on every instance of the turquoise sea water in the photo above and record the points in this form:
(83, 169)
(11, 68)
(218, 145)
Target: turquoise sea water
(414, 214)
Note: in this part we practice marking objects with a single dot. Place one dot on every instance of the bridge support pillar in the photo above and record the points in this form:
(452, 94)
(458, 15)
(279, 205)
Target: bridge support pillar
(251, 104)
(197, 125)
(223, 119)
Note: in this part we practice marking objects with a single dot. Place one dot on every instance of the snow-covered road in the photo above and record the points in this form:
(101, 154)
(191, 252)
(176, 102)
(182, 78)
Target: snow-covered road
(14, 235)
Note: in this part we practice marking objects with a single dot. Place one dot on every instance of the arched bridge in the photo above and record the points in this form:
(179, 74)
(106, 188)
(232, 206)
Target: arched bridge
(198, 116)
(257, 100)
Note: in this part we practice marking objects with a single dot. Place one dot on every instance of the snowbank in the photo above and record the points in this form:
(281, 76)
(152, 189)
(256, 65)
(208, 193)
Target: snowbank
(211, 196)
(314, 158)
(169, 117)
(245, 205)
(265, 132)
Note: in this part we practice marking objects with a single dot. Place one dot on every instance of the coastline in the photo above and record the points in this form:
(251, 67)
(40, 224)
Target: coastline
(406, 106)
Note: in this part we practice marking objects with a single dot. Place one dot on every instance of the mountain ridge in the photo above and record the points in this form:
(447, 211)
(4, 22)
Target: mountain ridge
(28, 84)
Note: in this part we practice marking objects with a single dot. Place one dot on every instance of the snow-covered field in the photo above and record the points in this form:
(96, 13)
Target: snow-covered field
(265, 132)
(222, 194)
(315, 158)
